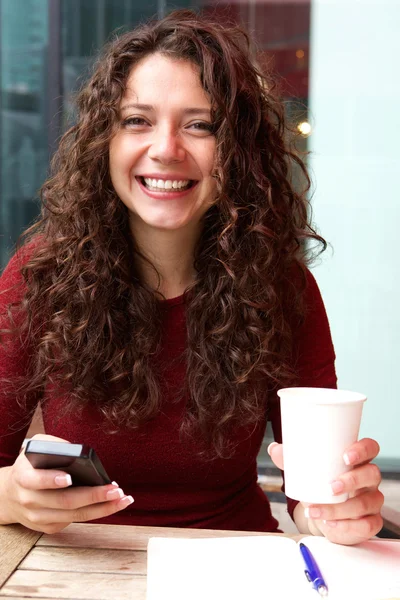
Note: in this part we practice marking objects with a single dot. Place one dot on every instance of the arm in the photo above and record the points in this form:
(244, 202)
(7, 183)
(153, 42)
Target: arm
(14, 363)
(358, 518)
(314, 360)
(31, 496)
(39, 500)
(315, 366)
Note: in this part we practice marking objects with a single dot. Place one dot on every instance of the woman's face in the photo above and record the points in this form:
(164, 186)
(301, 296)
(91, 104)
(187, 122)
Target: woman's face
(162, 156)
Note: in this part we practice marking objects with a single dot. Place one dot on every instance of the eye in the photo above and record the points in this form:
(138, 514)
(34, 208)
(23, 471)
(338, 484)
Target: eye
(134, 122)
(202, 126)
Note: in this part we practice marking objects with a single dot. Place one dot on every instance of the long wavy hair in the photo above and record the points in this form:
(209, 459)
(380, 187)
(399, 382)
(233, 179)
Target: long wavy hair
(95, 326)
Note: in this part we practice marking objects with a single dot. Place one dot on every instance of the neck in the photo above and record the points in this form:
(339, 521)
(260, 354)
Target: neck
(171, 253)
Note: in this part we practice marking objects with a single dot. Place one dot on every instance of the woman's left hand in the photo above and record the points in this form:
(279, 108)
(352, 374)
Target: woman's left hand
(357, 519)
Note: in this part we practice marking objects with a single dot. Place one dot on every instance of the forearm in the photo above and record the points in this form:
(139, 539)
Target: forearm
(5, 517)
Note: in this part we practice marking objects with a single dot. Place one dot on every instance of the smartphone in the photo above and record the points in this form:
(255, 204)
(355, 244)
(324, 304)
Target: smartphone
(79, 460)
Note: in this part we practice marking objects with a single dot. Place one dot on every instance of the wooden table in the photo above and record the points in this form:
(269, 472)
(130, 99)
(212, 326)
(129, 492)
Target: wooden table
(84, 561)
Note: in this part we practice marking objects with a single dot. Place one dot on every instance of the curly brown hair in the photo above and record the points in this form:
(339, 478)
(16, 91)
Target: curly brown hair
(96, 326)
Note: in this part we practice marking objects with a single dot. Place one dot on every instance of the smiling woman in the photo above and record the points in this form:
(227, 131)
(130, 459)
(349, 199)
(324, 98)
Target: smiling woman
(163, 297)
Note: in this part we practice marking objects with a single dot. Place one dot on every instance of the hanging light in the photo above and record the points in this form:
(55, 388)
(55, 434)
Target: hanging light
(305, 128)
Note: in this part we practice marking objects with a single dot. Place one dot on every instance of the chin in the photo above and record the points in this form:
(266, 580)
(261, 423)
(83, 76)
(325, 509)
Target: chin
(168, 225)
(167, 222)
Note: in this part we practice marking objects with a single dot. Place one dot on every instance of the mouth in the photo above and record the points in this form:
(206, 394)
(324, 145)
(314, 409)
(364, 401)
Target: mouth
(167, 185)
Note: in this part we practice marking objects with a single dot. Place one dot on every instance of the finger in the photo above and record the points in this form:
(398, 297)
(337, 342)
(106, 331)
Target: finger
(366, 476)
(362, 451)
(41, 479)
(69, 499)
(368, 503)
(43, 437)
(351, 531)
(97, 511)
(275, 451)
(48, 438)
(30, 478)
(49, 528)
(363, 490)
(43, 517)
(52, 528)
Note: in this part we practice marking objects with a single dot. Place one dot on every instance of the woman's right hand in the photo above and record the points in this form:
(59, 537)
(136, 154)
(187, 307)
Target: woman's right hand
(42, 499)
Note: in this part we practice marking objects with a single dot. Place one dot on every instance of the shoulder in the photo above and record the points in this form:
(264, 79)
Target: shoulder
(313, 347)
(303, 288)
(300, 275)
(312, 292)
(12, 282)
(305, 293)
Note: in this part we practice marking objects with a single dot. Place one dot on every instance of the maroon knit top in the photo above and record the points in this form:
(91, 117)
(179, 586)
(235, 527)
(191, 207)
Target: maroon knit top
(171, 484)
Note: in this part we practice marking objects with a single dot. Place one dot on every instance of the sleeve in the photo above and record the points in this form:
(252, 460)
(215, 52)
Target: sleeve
(14, 361)
(313, 355)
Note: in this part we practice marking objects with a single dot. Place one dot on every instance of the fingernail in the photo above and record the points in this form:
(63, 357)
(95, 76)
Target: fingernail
(63, 480)
(114, 494)
(114, 483)
(350, 457)
(313, 513)
(337, 487)
(125, 501)
(271, 446)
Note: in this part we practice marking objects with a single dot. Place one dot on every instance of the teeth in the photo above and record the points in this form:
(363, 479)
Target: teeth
(161, 184)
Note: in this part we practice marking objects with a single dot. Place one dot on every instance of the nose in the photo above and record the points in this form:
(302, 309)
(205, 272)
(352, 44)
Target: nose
(166, 146)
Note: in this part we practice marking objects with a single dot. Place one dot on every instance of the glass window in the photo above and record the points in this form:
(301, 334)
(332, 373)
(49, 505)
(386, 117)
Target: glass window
(280, 29)
(86, 25)
(23, 138)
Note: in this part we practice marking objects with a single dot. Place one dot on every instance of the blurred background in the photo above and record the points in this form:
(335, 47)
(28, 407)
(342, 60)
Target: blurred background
(337, 62)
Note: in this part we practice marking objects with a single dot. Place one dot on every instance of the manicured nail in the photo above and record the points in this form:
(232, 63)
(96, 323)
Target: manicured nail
(114, 494)
(313, 513)
(63, 480)
(114, 483)
(271, 446)
(126, 501)
(350, 457)
(337, 487)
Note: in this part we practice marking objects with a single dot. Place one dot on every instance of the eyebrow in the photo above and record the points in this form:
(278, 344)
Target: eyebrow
(149, 108)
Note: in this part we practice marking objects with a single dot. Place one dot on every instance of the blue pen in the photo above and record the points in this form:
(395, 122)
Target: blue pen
(312, 572)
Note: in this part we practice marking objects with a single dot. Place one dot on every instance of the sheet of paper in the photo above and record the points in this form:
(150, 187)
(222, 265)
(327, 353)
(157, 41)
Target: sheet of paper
(370, 571)
(218, 568)
(239, 568)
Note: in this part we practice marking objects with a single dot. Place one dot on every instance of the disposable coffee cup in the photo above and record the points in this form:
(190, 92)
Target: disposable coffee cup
(318, 426)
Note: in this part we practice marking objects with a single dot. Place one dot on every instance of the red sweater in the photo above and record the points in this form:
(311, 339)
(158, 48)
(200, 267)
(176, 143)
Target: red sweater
(172, 486)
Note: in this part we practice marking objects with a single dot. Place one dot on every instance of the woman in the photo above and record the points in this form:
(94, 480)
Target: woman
(163, 298)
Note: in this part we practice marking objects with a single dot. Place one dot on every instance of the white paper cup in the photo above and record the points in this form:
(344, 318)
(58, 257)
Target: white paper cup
(318, 426)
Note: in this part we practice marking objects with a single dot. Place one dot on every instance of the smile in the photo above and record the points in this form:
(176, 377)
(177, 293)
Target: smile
(166, 184)
(166, 188)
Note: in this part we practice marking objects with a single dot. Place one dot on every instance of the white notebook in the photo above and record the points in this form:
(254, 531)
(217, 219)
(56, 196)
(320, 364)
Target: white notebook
(271, 567)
